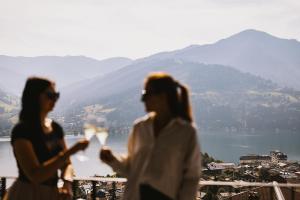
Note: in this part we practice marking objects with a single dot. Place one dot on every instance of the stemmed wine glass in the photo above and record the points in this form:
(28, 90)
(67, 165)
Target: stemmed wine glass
(94, 125)
(101, 130)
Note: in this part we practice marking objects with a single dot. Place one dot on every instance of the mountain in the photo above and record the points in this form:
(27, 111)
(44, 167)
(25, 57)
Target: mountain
(235, 83)
(11, 81)
(64, 70)
(252, 51)
(9, 105)
(223, 98)
(200, 77)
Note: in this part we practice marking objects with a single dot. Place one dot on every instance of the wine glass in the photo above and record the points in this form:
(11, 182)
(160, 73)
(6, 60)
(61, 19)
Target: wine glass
(101, 130)
(94, 125)
(89, 130)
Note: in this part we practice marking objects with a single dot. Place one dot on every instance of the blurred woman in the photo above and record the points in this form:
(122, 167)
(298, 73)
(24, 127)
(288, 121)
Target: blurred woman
(163, 160)
(39, 147)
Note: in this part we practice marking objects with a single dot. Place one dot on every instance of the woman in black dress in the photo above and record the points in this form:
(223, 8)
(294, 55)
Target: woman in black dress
(39, 147)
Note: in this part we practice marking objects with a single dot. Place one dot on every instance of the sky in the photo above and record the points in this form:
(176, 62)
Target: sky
(135, 28)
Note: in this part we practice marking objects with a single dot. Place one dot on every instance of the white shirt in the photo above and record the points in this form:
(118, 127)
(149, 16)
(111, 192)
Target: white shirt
(170, 163)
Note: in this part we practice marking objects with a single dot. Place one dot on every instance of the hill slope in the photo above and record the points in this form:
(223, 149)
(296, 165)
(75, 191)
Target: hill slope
(223, 97)
(64, 70)
(250, 51)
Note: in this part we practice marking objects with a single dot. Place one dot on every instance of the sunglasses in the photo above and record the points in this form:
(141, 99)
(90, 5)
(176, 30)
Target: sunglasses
(146, 94)
(52, 95)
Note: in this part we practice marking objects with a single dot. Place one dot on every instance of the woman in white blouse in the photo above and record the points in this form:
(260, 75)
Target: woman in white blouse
(163, 161)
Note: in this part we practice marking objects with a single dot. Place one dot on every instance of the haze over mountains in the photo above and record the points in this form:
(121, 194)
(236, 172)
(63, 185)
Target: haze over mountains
(223, 97)
(249, 51)
(236, 83)
(64, 70)
(129, 80)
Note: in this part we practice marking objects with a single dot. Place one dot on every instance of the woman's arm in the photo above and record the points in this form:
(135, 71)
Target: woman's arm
(121, 165)
(67, 174)
(39, 172)
(67, 171)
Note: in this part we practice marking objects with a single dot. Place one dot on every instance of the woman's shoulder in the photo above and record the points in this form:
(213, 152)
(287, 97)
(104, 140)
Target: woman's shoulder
(55, 124)
(144, 120)
(21, 130)
(58, 128)
(20, 126)
(186, 126)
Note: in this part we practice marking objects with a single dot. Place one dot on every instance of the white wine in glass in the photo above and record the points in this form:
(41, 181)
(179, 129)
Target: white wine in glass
(101, 130)
(102, 134)
(89, 131)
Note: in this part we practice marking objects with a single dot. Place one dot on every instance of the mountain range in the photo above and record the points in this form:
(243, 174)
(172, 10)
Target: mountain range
(247, 81)
(222, 97)
(252, 51)
(64, 70)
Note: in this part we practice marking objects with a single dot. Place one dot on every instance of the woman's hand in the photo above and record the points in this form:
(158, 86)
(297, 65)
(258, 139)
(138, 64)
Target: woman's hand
(79, 146)
(106, 155)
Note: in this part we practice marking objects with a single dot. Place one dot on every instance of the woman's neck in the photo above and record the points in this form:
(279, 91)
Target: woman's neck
(43, 117)
(46, 123)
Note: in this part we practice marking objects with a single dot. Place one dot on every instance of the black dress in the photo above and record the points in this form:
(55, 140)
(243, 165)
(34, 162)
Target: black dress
(45, 146)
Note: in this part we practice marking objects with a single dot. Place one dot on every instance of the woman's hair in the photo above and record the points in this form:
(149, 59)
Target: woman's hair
(177, 94)
(31, 108)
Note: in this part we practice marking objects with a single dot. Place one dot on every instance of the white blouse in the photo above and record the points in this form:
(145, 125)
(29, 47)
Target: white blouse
(170, 163)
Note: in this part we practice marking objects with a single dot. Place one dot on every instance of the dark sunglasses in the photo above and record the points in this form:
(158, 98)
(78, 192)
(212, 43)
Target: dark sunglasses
(146, 94)
(52, 95)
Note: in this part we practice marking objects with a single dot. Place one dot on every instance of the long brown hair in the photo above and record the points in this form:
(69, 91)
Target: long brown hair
(30, 111)
(177, 94)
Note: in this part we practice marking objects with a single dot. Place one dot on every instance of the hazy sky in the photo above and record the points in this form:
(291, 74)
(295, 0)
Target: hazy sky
(135, 28)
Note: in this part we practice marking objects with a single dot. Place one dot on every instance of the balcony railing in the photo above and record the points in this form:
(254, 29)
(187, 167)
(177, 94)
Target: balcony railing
(262, 191)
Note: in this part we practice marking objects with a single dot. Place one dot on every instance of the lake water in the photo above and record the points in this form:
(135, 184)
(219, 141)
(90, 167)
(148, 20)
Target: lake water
(224, 146)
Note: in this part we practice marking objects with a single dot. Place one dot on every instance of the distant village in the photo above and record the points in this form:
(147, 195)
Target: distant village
(252, 168)
(256, 168)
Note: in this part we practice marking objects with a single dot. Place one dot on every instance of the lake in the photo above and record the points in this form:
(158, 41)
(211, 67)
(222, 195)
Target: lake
(224, 146)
